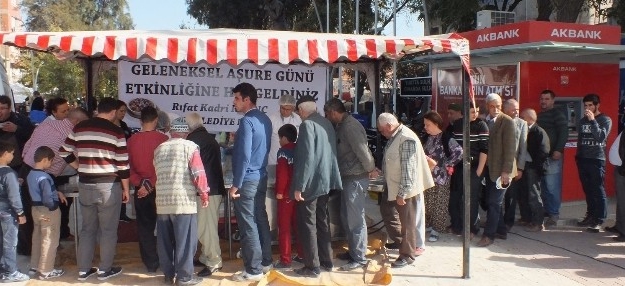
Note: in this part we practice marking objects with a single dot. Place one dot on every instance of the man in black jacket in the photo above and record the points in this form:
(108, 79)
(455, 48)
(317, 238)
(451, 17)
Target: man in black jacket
(207, 218)
(538, 149)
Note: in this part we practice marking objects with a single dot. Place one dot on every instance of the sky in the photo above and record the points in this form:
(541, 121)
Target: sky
(170, 14)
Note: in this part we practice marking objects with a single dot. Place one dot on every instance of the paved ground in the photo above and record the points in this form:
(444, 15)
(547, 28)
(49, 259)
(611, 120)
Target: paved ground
(564, 255)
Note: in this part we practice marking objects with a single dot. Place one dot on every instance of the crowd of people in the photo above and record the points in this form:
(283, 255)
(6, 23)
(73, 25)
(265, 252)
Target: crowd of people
(175, 169)
(517, 159)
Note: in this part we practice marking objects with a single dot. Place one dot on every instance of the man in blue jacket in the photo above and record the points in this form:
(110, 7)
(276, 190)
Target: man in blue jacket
(249, 184)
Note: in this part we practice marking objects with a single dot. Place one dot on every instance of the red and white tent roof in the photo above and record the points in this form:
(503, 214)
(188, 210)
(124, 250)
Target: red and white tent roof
(233, 46)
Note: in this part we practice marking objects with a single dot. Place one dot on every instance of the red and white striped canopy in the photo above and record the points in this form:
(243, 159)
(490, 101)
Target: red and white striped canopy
(233, 46)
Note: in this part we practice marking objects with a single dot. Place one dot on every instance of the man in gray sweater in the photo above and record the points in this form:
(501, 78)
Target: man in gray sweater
(356, 165)
(594, 128)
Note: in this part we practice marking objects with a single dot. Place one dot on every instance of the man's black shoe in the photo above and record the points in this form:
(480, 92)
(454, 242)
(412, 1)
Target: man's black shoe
(205, 272)
(326, 266)
(611, 229)
(196, 262)
(401, 262)
(125, 218)
(308, 272)
(594, 228)
(393, 245)
(587, 221)
(208, 271)
(344, 256)
(502, 236)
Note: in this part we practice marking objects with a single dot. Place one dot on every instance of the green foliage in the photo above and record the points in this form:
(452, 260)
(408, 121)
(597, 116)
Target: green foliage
(66, 78)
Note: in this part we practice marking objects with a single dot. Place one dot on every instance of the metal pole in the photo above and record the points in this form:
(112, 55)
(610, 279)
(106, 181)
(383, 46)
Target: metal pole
(330, 68)
(90, 91)
(375, 21)
(466, 177)
(36, 79)
(394, 93)
(340, 30)
(327, 16)
(356, 98)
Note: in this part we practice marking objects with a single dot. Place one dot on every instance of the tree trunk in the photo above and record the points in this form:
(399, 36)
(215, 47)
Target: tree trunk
(545, 9)
(613, 19)
(567, 10)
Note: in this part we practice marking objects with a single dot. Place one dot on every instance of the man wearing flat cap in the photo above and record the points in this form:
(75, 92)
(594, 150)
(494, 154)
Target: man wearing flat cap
(315, 173)
(180, 178)
(286, 115)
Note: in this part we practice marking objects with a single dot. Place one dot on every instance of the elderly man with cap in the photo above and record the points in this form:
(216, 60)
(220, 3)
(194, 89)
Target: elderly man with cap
(315, 173)
(180, 178)
(285, 116)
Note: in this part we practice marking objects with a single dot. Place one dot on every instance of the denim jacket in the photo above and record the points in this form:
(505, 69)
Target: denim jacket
(10, 200)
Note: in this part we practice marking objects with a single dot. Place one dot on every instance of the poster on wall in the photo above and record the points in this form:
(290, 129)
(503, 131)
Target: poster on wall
(206, 89)
(502, 80)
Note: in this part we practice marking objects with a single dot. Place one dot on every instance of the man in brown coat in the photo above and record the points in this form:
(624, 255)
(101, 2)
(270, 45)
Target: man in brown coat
(501, 168)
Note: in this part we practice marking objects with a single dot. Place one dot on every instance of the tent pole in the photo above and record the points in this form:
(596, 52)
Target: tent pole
(466, 175)
(378, 108)
(340, 30)
(356, 72)
(90, 98)
(394, 93)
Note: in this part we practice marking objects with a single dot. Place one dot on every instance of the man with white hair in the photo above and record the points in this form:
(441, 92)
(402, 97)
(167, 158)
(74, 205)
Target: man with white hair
(501, 168)
(511, 108)
(407, 175)
(180, 178)
(285, 116)
(538, 152)
(207, 218)
(315, 173)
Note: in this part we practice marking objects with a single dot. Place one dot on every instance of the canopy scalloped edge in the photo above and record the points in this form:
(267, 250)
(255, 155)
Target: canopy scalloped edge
(233, 46)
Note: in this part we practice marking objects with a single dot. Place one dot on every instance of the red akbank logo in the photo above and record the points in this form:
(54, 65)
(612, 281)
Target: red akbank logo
(494, 36)
(576, 34)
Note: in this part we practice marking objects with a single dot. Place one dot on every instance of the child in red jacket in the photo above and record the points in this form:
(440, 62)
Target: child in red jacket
(286, 205)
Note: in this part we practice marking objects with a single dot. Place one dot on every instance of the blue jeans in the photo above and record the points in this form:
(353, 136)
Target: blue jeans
(262, 220)
(8, 262)
(177, 242)
(253, 224)
(353, 198)
(592, 175)
(494, 214)
(552, 187)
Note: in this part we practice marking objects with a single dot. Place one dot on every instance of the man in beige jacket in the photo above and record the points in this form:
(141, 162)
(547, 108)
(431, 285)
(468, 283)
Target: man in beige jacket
(407, 175)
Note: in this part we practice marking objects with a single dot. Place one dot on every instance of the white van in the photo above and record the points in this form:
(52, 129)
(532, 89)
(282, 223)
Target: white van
(6, 87)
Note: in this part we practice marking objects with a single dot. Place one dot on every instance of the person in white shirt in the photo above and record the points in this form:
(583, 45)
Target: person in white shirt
(286, 116)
